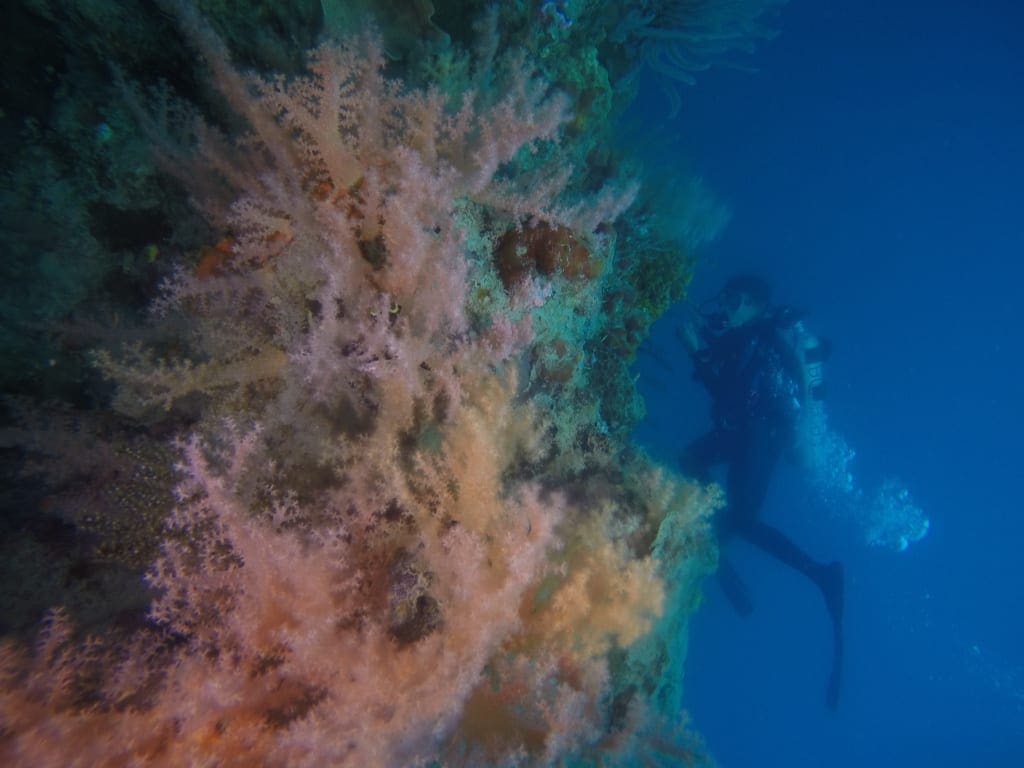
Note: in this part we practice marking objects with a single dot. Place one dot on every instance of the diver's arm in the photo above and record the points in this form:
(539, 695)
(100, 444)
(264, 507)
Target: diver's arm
(696, 335)
(693, 335)
(706, 364)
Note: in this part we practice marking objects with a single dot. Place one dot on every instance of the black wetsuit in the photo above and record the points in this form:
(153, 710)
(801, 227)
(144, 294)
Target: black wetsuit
(755, 401)
(754, 382)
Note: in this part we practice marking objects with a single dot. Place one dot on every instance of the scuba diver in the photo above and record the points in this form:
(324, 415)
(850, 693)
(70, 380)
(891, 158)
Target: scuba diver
(761, 369)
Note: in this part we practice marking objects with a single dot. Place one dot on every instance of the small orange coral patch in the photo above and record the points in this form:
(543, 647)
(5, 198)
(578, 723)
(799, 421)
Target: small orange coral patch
(347, 198)
(278, 240)
(214, 258)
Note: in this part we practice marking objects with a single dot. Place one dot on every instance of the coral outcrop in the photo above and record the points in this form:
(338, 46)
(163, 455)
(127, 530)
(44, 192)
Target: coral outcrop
(390, 352)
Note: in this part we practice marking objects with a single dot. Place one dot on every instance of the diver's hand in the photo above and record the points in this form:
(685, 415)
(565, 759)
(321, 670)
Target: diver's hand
(691, 333)
(689, 336)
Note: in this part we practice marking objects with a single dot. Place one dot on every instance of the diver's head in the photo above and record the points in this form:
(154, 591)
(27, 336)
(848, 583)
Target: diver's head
(743, 299)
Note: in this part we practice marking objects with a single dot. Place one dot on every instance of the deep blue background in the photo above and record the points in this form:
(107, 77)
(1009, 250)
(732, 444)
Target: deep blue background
(874, 165)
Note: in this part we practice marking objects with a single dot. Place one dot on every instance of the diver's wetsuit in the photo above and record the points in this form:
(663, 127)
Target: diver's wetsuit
(752, 378)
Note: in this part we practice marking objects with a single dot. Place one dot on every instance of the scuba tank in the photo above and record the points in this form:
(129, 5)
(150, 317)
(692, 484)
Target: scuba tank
(812, 353)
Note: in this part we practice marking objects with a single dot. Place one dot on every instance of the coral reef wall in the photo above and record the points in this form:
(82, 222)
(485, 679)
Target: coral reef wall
(343, 357)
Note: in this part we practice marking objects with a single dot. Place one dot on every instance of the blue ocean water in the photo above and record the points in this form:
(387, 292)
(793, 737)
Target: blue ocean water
(873, 166)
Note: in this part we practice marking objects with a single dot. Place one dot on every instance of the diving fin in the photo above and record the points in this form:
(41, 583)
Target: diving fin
(835, 678)
(734, 588)
(832, 589)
